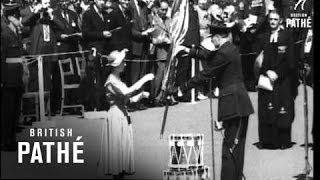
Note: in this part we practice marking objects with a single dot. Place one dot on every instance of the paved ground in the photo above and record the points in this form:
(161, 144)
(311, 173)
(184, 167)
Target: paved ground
(152, 153)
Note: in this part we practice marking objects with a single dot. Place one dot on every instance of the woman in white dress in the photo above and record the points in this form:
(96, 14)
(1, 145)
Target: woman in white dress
(117, 155)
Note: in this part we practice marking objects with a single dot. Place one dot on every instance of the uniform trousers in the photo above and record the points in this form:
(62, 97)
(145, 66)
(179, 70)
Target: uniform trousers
(232, 166)
(10, 112)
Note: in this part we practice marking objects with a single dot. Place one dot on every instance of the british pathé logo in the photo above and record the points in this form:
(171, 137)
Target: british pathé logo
(300, 16)
(301, 3)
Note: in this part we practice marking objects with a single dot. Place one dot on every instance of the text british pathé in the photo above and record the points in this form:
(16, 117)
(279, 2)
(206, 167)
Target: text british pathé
(63, 151)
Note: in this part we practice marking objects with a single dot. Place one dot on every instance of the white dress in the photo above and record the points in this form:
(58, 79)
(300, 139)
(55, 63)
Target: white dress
(117, 153)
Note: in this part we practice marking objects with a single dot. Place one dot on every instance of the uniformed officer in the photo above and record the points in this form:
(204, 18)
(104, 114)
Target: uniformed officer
(234, 106)
(11, 75)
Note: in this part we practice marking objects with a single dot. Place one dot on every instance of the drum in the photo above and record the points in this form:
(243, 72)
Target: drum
(191, 174)
(186, 151)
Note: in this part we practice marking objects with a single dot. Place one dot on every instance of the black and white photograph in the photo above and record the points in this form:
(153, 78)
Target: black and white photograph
(158, 89)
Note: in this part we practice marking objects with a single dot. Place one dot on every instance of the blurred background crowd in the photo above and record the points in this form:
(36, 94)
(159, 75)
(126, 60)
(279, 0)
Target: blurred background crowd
(32, 27)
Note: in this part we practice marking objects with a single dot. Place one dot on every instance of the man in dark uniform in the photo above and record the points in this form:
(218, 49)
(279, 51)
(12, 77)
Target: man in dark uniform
(11, 76)
(67, 41)
(234, 107)
(96, 34)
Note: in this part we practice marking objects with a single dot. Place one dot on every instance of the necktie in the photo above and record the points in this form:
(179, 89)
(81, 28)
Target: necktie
(65, 14)
(46, 33)
(125, 14)
(101, 15)
(138, 8)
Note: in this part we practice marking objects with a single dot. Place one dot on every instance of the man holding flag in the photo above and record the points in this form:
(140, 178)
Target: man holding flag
(234, 107)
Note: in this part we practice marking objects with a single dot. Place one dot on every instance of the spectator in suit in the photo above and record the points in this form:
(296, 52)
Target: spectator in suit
(140, 43)
(69, 18)
(96, 34)
(44, 24)
(26, 31)
(67, 41)
(161, 40)
(122, 35)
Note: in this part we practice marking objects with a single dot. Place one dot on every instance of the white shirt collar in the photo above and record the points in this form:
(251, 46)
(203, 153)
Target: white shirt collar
(97, 10)
(274, 36)
(137, 6)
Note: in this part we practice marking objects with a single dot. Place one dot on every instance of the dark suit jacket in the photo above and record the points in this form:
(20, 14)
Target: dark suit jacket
(71, 43)
(225, 65)
(256, 7)
(140, 23)
(92, 29)
(37, 43)
(26, 31)
(121, 38)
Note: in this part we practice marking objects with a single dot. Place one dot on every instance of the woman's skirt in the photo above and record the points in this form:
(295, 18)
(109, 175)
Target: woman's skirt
(117, 155)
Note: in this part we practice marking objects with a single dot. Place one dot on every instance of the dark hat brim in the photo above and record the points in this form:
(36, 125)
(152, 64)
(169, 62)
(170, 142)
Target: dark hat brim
(219, 29)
